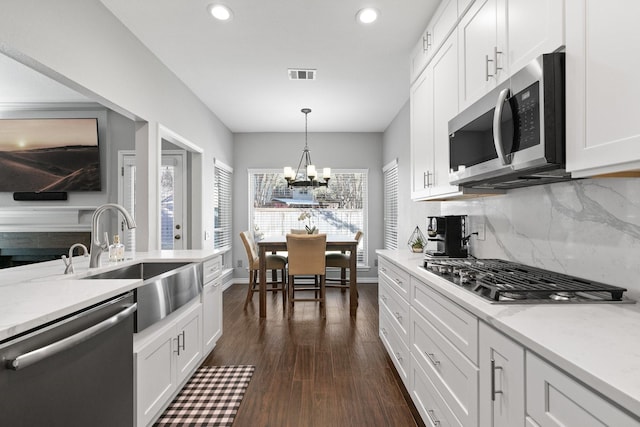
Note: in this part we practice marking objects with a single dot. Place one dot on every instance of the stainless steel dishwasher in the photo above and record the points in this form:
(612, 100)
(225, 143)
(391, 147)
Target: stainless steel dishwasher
(75, 371)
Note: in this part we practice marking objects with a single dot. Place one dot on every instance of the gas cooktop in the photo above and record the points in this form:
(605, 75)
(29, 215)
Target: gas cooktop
(502, 281)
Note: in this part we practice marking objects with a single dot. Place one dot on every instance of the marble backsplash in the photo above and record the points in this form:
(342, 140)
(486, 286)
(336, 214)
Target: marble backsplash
(587, 228)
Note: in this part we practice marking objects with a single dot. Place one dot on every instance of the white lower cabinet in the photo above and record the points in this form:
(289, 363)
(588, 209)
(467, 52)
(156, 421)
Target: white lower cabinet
(501, 394)
(164, 358)
(555, 399)
(211, 314)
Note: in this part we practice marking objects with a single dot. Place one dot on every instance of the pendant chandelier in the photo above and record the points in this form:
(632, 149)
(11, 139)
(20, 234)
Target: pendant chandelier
(306, 175)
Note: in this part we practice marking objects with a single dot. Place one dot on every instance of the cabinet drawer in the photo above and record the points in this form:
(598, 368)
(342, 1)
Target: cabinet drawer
(396, 277)
(429, 402)
(397, 309)
(398, 351)
(452, 321)
(448, 369)
(555, 399)
(211, 269)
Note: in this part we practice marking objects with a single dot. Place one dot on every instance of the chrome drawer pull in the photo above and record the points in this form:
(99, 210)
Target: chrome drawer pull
(398, 316)
(383, 298)
(432, 358)
(384, 331)
(399, 357)
(432, 417)
(493, 380)
(398, 281)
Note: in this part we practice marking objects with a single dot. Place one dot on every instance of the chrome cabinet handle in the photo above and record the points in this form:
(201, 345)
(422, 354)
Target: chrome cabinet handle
(496, 52)
(426, 42)
(384, 270)
(493, 380)
(399, 356)
(486, 68)
(384, 331)
(34, 356)
(432, 417)
(398, 316)
(398, 281)
(432, 358)
(178, 345)
(383, 298)
(426, 182)
(497, 130)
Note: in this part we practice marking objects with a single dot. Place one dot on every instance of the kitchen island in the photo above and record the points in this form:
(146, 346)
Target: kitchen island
(469, 356)
(166, 350)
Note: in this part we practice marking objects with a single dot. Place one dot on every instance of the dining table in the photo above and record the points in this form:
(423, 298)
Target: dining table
(335, 242)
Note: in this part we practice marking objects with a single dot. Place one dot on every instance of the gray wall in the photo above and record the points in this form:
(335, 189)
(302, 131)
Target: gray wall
(81, 44)
(396, 145)
(335, 150)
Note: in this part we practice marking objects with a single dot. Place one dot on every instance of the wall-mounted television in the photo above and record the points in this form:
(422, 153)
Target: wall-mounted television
(47, 155)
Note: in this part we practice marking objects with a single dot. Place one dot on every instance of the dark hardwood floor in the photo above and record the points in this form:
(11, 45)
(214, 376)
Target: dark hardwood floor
(309, 371)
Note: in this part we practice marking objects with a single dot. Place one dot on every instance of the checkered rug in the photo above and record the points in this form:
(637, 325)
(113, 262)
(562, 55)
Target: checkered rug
(210, 398)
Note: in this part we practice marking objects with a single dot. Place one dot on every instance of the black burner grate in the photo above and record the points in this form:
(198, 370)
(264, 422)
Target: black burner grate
(497, 279)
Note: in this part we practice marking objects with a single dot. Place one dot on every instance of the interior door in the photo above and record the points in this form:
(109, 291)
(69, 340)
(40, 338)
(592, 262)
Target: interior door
(172, 201)
(173, 224)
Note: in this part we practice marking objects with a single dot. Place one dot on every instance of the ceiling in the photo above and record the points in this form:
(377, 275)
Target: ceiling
(239, 68)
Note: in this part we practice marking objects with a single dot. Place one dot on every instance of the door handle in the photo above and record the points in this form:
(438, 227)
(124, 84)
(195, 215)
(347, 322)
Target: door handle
(497, 130)
(177, 237)
(34, 356)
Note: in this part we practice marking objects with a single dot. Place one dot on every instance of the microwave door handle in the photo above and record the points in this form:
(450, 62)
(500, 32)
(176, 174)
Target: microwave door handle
(497, 130)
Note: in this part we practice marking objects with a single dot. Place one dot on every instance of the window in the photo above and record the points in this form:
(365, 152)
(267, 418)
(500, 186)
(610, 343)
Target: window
(390, 172)
(339, 208)
(222, 222)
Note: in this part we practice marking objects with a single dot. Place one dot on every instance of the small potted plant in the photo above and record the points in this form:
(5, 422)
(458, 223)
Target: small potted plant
(418, 244)
(417, 241)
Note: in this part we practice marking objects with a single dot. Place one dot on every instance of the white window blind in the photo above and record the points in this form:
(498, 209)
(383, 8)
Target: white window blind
(338, 209)
(222, 228)
(390, 172)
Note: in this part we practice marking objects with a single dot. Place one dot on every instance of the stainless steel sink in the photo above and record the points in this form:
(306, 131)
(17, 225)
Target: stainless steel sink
(165, 288)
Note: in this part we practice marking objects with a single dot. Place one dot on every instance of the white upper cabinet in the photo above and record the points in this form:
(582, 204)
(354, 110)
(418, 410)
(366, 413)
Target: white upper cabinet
(499, 37)
(481, 53)
(442, 23)
(534, 28)
(434, 102)
(603, 130)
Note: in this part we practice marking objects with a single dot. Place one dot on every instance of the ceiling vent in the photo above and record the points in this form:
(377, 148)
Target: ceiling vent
(301, 74)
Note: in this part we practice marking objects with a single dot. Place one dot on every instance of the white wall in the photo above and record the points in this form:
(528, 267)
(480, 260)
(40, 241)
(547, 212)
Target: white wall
(80, 43)
(335, 150)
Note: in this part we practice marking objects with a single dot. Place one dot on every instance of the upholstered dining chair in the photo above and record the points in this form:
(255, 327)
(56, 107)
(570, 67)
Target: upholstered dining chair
(307, 258)
(342, 261)
(275, 263)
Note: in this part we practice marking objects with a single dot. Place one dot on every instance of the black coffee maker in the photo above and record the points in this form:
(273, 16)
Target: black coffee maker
(447, 236)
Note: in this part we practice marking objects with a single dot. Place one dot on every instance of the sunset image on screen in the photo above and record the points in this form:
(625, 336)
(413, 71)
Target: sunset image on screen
(49, 155)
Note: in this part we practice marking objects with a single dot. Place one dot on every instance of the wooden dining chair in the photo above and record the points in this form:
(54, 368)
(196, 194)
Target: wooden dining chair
(341, 260)
(275, 263)
(307, 258)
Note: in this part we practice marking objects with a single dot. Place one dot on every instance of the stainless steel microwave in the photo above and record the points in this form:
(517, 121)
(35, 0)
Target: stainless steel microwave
(515, 135)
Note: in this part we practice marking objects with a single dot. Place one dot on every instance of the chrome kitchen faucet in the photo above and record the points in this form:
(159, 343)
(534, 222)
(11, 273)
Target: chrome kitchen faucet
(96, 246)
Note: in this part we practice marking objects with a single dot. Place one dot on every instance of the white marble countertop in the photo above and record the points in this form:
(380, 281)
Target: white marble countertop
(32, 295)
(599, 344)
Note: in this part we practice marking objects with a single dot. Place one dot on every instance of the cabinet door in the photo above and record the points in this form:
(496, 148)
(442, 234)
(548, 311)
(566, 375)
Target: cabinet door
(155, 376)
(477, 34)
(211, 314)
(501, 366)
(445, 101)
(188, 342)
(603, 130)
(555, 399)
(421, 105)
(534, 28)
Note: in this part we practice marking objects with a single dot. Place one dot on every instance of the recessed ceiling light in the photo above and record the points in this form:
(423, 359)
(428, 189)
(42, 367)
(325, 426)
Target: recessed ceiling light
(220, 12)
(367, 15)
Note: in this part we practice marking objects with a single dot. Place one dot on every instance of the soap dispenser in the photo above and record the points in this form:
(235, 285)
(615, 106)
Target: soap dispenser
(118, 249)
